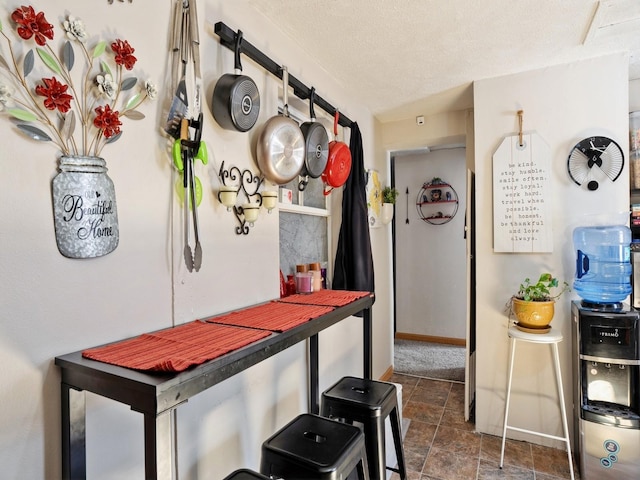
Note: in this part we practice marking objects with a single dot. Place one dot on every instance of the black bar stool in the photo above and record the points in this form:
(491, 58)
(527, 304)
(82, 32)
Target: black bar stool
(368, 402)
(314, 447)
(245, 474)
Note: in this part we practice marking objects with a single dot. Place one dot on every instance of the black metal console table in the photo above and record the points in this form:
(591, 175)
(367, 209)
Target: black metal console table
(155, 395)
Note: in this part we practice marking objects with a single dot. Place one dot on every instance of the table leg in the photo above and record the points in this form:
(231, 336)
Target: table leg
(367, 343)
(314, 388)
(74, 454)
(158, 454)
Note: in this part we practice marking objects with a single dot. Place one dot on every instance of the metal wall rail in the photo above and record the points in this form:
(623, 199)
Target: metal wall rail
(227, 39)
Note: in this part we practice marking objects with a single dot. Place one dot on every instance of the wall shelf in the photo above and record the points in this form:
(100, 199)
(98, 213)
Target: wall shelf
(437, 202)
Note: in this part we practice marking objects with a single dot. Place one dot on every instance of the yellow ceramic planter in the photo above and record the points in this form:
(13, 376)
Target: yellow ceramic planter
(535, 315)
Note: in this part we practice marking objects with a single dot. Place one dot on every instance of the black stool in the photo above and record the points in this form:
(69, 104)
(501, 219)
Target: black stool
(311, 446)
(368, 402)
(245, 474)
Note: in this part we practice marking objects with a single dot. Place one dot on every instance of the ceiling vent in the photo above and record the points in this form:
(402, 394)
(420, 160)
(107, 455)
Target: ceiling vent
(614, 19)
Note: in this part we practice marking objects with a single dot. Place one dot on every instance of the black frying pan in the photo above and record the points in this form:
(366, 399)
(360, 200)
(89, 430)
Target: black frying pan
(316, 146)
(236, 100)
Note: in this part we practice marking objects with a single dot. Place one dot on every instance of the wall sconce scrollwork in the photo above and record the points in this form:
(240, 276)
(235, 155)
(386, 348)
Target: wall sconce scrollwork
(244, 183)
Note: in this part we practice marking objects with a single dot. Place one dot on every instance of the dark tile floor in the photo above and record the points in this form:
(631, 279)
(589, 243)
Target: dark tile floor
(440, 445)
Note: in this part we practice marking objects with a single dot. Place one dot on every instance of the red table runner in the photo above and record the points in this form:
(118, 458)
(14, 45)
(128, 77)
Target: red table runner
(175, 349)
(272, 316)
(333, 298)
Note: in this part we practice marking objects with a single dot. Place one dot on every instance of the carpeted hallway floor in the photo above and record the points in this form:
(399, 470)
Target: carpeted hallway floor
(429, 360)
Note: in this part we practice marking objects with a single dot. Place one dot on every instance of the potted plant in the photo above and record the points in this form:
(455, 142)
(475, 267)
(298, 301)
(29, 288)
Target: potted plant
(389, 195)
(533, 304)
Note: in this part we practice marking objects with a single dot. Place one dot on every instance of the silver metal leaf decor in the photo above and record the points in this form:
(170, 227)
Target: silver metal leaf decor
(114, 138)
(134, 115)
(27, 65)
(128, 83)
(68, 56)
(34, 132)
(69, 125)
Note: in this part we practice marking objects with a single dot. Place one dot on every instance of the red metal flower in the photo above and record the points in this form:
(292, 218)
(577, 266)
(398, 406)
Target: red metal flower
(55, 94)
(108, 121)
(124, 53)
(30, 24)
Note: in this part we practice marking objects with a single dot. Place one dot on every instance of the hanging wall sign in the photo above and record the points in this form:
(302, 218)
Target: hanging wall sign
(521, 194)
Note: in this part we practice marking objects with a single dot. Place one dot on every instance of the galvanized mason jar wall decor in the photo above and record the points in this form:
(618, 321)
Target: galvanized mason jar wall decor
(84, 205)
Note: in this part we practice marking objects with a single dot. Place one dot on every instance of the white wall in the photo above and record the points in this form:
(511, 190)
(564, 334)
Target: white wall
(430, 259)
(563, 104)
(52, 305)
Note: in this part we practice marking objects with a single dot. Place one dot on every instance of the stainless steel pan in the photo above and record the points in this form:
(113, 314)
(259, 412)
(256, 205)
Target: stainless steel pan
(280, 150)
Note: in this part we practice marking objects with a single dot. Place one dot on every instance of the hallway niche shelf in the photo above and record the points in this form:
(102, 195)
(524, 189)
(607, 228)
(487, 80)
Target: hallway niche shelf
(437, 202)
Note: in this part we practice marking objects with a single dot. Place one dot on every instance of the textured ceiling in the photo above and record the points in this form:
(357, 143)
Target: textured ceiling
(404, 58)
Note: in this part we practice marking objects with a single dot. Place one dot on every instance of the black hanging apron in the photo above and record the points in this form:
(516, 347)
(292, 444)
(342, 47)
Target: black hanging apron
(353, 268)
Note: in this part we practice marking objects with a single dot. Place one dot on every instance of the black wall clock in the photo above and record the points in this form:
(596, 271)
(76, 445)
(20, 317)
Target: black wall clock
(600, 153)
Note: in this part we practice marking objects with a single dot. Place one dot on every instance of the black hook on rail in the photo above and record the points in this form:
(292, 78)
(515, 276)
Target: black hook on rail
(227, 39)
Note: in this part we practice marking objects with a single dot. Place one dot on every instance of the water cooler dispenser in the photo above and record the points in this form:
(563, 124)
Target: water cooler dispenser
(606, 374)
(606, 357)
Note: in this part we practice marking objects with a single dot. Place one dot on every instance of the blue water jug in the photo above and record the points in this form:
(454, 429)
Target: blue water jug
(603, 263)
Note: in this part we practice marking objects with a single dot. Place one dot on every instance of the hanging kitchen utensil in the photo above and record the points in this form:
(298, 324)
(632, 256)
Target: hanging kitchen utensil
(187, 167)
(197, 148)
(189, 147)
(280, 147)
(339, 162)
(178, 108)
(236, 100)
(316, 146)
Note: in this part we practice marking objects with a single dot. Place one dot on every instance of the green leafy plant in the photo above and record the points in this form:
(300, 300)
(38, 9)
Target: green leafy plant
(541, 290)
(389, 195)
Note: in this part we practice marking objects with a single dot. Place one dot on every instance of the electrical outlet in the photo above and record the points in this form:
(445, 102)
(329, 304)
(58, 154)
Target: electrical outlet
(420, 120)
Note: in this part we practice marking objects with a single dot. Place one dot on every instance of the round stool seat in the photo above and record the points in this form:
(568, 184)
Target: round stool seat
(553, 336)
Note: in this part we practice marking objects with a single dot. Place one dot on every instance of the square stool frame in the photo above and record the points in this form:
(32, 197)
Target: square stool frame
(369, 402)
(295, 451)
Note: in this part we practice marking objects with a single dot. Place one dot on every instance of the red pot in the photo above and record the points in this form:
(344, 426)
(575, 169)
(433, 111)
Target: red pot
(338, 166)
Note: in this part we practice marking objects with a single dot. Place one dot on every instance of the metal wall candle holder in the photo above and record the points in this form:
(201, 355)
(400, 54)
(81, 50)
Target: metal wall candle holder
(236, 182)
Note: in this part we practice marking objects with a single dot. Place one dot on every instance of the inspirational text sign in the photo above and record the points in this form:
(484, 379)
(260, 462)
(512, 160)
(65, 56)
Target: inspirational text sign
(522, 195)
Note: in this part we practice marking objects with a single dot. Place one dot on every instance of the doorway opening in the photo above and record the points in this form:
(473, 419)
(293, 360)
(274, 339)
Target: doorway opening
(431, 259)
